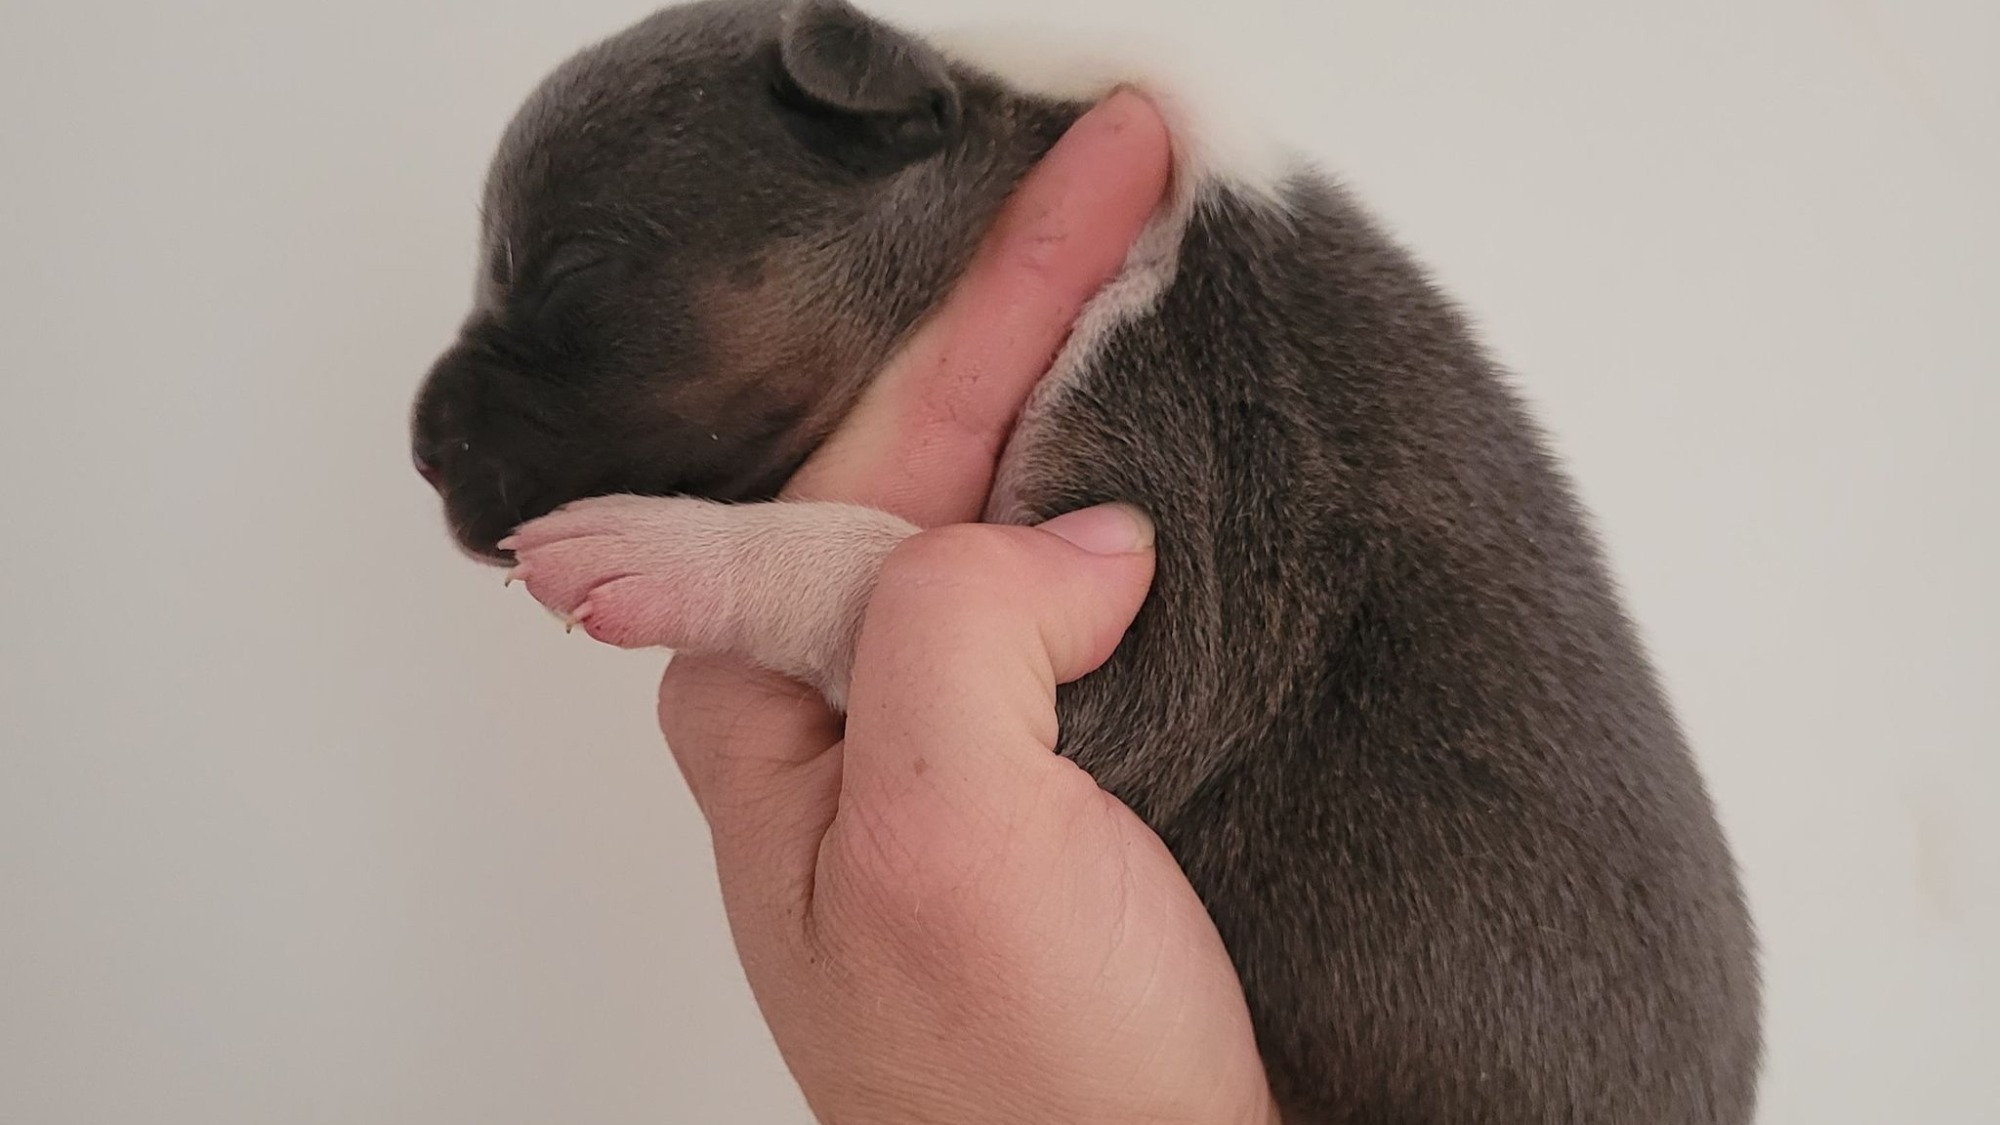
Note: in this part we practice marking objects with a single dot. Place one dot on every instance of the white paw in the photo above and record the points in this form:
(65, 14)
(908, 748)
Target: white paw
(781, 584)
(633, 571)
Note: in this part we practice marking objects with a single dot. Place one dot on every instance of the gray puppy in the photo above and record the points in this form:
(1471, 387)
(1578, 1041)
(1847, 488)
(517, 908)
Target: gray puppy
(1382, 703)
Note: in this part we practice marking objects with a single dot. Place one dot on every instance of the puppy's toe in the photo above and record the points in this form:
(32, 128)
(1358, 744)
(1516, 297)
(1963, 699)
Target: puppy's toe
(561, 573)
(650, 611)
(783, 585)
(637, 572)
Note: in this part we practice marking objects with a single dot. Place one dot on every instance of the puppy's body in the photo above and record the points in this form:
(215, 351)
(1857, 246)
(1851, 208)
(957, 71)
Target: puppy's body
(1412, 756)
(1382, 703)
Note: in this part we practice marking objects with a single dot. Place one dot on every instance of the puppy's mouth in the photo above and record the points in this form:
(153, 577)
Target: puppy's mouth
(480, 516)
(477, 550)
(484, 498)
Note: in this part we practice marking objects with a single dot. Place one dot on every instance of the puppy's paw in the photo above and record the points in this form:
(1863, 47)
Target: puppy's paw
(782, 584)
(636, 572)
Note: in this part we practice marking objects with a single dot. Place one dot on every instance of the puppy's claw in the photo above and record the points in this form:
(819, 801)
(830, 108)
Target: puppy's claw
(568, 621)
(508, 544)
(518, 574)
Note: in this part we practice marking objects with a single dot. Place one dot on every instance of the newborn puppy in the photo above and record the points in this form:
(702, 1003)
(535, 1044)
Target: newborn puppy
(1382, 704)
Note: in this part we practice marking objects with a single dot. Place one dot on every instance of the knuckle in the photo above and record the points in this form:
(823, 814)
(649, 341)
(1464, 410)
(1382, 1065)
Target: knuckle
(1028, 243)
(1038, 256)
(951, 571)
(940, 555)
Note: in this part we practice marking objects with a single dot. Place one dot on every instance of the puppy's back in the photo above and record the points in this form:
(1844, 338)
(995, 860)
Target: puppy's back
(1384, 706)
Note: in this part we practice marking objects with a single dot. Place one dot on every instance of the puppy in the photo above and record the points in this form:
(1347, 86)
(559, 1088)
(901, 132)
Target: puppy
(1382, 704)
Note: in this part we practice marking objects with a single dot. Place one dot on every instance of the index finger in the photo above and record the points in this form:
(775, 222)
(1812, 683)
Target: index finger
(923, 441)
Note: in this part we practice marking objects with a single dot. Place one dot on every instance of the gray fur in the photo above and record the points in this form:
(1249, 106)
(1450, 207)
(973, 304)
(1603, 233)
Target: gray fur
(1382, 704)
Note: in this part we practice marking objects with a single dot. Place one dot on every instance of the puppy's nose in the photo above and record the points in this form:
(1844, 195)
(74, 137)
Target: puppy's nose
(425, 459)
(428, 451)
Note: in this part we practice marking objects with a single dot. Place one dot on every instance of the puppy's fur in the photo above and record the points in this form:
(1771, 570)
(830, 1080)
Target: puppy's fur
(1382, 703)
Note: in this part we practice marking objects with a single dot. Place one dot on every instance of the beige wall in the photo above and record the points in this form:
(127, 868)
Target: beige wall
(304, 819)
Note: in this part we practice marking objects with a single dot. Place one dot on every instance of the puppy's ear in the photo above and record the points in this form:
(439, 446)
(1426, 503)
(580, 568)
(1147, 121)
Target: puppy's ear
(864, 93)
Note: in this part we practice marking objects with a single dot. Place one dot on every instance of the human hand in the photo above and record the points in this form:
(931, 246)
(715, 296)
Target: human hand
(941, 919)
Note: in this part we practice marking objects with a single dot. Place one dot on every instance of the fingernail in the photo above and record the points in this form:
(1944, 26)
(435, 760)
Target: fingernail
(1108, 529)
(1120, 107)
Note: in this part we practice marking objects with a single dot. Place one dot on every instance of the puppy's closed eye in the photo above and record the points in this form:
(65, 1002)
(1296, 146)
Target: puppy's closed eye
(567, 266)
(561, 288)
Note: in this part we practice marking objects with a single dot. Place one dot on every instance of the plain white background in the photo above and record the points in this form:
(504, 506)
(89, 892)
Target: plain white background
(305, 819)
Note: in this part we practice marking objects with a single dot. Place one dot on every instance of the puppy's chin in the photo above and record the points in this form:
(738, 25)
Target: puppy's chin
(480, 547)
(479, 514)
(479, 538)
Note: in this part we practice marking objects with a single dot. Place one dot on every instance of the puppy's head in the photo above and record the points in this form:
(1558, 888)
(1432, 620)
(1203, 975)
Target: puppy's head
(700, 239)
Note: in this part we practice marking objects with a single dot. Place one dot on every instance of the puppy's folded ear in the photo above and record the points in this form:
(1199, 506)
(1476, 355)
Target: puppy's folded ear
(863, 93)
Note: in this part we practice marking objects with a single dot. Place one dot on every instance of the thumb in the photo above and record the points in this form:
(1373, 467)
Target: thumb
(970, 629)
